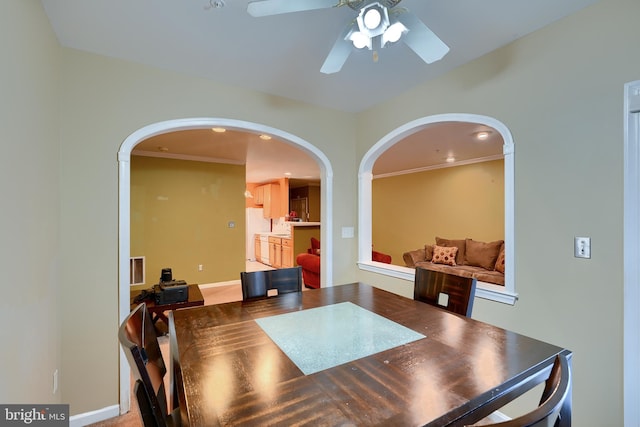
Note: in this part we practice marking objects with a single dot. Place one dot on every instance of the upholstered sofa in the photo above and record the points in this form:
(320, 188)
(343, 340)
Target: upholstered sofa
(483, 261)
(310, 263)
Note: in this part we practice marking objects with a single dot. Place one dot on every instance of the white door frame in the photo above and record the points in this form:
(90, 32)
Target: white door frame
(124, 190)
(631, 236)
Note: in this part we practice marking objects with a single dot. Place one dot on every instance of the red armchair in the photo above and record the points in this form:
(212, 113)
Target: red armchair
(310, 263)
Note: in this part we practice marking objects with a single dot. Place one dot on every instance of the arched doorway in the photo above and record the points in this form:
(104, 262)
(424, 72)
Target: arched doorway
(504, 294)
(124, 232)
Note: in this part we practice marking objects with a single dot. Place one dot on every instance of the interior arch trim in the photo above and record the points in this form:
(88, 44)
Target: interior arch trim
(506, 294)
(124, 189)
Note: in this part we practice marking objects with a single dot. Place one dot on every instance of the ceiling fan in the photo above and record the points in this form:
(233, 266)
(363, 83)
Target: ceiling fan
(378, 23)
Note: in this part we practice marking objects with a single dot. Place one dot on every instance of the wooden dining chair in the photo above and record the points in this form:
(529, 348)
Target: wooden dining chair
(138, 339)
(555, 407)
(448, 291)
(254, 284)
(260, 284)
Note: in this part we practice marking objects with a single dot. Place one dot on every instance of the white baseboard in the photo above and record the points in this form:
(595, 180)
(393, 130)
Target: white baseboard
(94, 416)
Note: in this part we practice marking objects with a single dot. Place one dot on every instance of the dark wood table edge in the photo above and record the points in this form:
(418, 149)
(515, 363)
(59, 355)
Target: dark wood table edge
(497, 398)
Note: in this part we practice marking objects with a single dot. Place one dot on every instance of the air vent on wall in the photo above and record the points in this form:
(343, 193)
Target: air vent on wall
(136, 270)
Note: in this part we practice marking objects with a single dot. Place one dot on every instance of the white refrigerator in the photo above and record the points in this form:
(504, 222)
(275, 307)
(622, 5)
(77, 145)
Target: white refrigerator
(256, 223)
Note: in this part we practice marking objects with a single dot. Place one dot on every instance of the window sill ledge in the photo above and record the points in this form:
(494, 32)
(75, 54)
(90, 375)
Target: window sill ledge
(484, 290)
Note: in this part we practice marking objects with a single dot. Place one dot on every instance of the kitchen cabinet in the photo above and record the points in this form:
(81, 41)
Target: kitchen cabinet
(280, 252)
(268, 196)
(287, 253)
(256, 244)
(275, 251)
(258, 196)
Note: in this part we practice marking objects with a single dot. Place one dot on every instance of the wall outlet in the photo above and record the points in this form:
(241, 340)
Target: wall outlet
(582, 247)
(200, 267)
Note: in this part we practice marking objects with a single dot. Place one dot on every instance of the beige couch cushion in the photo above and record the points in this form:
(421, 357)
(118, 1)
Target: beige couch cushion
(411, 258)
(500, 261)
(460, 244)
(465, 271)
(481, 254)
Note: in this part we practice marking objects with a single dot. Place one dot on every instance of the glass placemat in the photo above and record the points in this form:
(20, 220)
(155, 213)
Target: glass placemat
(323, 337)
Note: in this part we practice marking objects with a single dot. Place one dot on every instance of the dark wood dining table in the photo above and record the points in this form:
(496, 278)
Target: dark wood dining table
(227, 370)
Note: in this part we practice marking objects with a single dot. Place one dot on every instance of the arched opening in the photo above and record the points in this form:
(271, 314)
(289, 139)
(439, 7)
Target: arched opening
(124, 232)
(505, 294)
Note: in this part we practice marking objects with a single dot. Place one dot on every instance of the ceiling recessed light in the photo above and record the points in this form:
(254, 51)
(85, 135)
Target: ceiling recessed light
(163, 149)
(451, 159)
(218, 130)
(265, 137)
(287, 174)
(482, 135)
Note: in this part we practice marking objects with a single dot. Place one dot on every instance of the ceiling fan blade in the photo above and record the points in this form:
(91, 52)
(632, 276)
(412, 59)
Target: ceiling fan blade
(421, 39)
(338, 54)
(276, 7)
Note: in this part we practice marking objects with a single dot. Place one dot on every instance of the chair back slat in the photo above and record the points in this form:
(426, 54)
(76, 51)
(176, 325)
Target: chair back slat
(258, 284)
(447, 291)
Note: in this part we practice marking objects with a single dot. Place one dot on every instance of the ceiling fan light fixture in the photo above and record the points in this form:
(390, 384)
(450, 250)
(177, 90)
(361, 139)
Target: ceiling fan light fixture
(360, 40)
(393, 33)
(373, 20)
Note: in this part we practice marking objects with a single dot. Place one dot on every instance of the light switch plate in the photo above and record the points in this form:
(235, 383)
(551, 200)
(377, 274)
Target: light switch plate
(347, 232)
(582, 247)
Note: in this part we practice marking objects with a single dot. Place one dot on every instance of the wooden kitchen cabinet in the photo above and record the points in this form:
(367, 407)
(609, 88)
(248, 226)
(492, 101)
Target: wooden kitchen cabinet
(256, 244)
(287, 253)
(258, 197)
(268, 196)
(280, 252)
(275, 252)
(273, 197)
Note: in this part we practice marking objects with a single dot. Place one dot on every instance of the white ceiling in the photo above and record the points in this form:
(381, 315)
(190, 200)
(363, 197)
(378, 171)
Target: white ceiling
(267, 160)
(282, 55)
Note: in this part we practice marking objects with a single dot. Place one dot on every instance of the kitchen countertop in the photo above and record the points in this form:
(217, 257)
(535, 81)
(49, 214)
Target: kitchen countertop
(274, 234)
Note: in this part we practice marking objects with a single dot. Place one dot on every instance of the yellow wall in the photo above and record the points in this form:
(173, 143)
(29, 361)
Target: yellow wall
(180, 214)
(410, 210)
